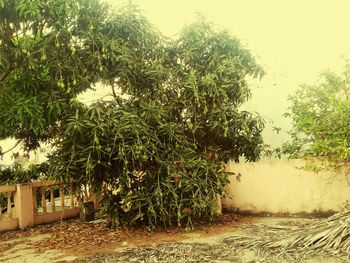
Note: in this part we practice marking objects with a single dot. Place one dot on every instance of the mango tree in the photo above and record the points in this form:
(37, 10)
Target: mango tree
(155, 150)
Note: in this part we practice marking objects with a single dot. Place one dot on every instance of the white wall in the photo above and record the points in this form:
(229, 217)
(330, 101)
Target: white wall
(37, 156)
(282, 186)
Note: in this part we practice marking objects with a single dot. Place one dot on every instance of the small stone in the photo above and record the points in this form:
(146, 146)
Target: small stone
(98, 221)
(124, 244)
(69, 258)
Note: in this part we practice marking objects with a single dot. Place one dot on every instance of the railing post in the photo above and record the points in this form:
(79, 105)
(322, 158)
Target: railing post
(52, 198)
(24, 205)
(61, 195)
(43, 199)
(9, 205)
(71, 193)
(35, 204)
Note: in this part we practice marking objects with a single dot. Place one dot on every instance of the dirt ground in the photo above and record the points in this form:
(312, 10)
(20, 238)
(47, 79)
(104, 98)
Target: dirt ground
(74, 241)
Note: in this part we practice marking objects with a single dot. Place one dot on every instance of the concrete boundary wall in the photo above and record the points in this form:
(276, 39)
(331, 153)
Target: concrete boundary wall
(285, 187)
(10, 224)
(56, 216)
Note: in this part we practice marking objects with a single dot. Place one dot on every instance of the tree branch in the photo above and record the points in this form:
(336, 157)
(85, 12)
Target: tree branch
(113, 90)
(5, 75)
(3, 153)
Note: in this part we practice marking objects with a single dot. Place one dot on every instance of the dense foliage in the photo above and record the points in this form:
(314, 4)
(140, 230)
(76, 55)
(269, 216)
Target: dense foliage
(155, 150)
(17, 174)
(320, 114)
(48, 55)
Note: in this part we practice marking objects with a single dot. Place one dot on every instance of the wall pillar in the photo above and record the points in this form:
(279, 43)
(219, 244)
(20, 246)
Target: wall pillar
(24, 205)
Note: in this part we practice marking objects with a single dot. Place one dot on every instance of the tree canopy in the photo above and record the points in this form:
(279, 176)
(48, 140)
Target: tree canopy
(155, 150)
(49, 53)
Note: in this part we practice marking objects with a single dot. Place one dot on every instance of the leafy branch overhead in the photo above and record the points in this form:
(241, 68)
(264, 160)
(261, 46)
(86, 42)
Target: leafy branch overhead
(48, 54)
(156, 149)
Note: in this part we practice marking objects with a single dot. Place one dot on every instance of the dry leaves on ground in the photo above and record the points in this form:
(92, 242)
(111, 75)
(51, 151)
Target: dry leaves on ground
(85, 239)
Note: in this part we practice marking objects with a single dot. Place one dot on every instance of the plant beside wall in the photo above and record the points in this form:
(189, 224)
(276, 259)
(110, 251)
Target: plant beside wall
(320, 117)
(319, 114)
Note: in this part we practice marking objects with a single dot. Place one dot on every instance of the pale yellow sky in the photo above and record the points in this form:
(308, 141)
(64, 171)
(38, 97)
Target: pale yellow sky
(295, 40)
(299, 37)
